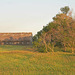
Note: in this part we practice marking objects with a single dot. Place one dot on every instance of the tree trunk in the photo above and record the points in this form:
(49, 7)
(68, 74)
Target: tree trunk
(72, 50)
(65, 47)
(45, 44)
(50, 49)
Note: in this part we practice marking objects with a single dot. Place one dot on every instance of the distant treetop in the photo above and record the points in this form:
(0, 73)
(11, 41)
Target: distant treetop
(65, 9)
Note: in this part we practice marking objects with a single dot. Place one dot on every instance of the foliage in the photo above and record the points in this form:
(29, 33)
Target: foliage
(65, 9)
(60, 33)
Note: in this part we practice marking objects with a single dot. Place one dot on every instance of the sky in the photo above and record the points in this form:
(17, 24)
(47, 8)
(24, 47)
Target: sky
(29, 15)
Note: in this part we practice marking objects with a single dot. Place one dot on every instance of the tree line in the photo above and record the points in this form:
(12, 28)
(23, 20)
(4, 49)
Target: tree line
(58, 33)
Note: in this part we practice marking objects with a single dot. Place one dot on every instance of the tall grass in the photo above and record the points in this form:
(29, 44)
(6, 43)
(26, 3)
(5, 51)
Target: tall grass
(21, 60)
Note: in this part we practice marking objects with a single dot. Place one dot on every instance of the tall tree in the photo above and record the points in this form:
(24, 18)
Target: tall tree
(66, 30)
(61, 30)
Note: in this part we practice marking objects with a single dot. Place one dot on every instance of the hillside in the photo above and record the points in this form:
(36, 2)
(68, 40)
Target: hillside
(21, 60)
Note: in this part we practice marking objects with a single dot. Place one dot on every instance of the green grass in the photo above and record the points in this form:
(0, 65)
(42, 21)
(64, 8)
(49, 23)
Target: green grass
(21, 60)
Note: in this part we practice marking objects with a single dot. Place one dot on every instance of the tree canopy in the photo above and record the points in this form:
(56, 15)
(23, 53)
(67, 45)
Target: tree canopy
(59, 33)
(65, 9)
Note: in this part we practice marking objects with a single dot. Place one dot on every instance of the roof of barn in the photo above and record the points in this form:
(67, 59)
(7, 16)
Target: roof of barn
(15, 36)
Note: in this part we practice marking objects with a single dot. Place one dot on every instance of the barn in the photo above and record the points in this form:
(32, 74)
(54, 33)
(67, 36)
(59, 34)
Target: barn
(16, 38)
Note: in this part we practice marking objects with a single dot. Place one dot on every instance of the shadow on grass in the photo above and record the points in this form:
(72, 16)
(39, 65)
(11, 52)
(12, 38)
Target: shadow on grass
(17, 48)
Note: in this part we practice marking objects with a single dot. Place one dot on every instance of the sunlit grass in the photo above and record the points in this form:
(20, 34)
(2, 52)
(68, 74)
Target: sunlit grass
(21, 60)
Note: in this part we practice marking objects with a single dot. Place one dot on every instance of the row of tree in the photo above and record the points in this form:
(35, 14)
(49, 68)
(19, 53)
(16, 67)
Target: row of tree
(58, 33)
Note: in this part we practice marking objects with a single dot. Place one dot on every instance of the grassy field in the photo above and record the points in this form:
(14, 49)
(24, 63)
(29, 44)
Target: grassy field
(21, 60)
